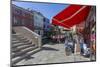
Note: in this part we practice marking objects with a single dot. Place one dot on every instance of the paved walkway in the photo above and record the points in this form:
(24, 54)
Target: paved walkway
(52, 54)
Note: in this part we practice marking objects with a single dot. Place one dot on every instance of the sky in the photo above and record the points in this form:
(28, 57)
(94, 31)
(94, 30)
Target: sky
(47, 9)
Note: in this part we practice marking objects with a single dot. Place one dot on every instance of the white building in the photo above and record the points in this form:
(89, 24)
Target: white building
(38, 23)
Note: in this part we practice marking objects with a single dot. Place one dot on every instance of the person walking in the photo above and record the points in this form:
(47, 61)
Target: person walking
(68, 49)
(81, 45)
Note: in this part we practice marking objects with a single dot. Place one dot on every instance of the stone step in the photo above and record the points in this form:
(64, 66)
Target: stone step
(25, 41)
(14, 39)
(22, 52)
(20, 40)
(14, 42)
(19, 58)
(15, 35)
(20, 36)
(22, 47)
(20, 44)
(17, 44)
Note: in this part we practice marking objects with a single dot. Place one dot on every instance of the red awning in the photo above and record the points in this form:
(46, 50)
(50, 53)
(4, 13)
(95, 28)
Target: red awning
(72, 15)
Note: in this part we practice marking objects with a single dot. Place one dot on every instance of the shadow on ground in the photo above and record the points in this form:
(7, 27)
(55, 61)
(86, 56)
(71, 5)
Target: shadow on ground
(49, 48)
(28, 58)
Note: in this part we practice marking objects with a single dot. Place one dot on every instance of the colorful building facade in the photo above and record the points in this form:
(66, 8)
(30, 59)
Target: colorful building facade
(38, 22)
(22, 17)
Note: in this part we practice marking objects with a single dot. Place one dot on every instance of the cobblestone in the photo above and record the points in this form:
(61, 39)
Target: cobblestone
(52, 54)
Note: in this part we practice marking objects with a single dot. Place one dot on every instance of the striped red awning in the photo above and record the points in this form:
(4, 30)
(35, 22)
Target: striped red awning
(72, 15)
